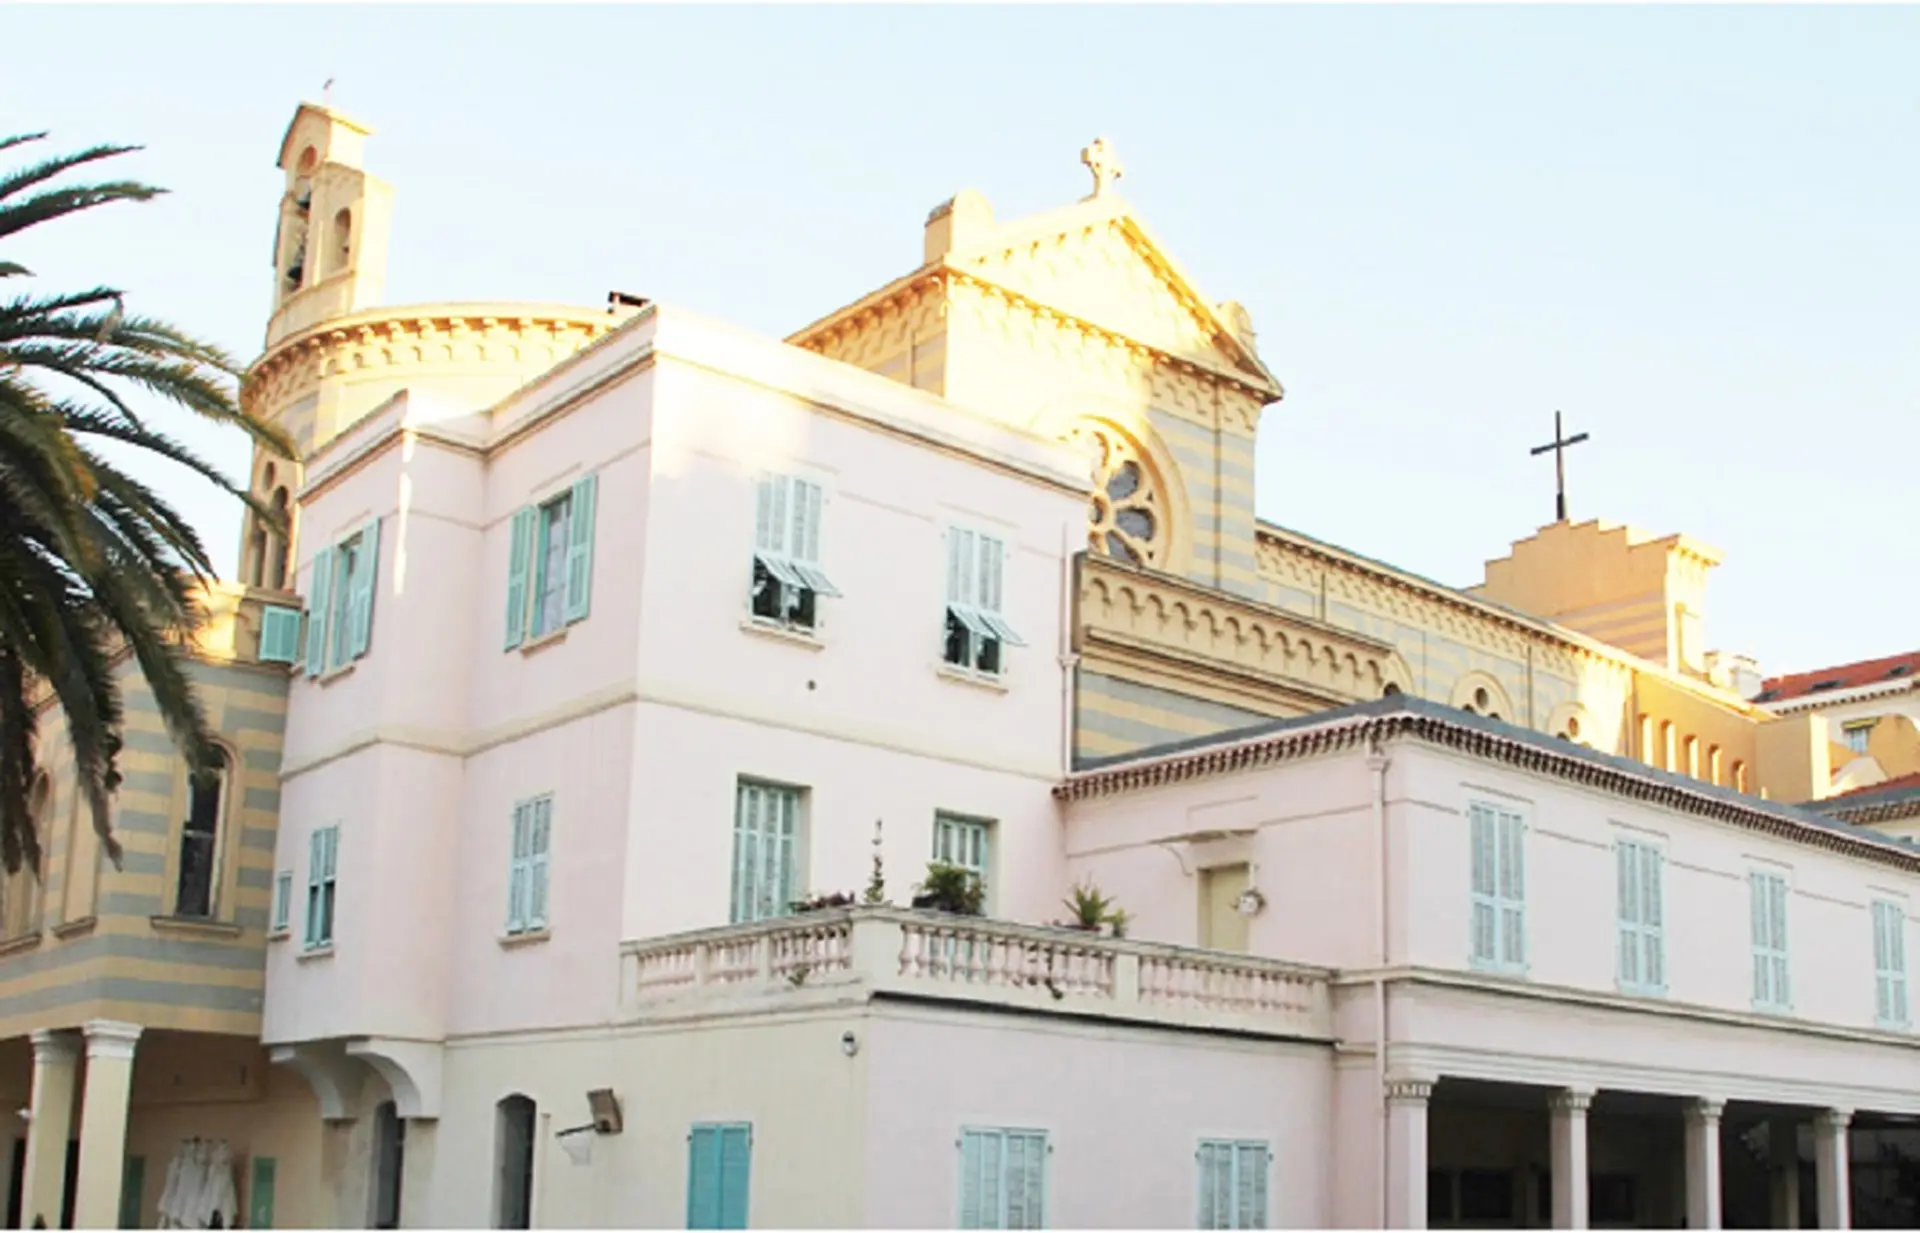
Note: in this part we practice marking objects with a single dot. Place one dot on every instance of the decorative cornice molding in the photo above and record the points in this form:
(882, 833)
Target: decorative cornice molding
(1403, 719)
(425, 337)
(1147, 613)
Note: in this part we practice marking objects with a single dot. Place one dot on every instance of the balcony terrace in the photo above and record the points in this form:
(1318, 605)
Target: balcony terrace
(862, 953)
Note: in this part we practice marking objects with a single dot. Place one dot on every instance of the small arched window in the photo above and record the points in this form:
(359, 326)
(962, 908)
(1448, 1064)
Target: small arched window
(279, 544)
(342, 242)
(389, 1164)
(197, 886)
(513, 1163)
(1739, 777)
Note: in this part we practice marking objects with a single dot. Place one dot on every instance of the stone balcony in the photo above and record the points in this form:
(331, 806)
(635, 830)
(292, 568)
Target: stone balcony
(861, 953)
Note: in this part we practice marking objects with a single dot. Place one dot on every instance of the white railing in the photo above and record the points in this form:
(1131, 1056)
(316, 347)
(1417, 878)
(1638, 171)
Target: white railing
(933, 955)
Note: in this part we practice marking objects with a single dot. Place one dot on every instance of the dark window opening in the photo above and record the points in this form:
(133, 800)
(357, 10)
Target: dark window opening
(774, 600)
(513, 1183)
(200, 841)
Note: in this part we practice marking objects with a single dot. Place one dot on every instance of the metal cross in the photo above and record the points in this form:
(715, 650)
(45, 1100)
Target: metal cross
(326, 93)
(1103, 163)
(1559, 446)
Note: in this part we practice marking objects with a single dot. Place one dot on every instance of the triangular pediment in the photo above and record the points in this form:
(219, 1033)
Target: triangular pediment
(1097, 262)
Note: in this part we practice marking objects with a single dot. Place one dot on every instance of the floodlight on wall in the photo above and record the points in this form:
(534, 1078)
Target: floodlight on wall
(1250, 902)
(849, 1044)
(605, 1107)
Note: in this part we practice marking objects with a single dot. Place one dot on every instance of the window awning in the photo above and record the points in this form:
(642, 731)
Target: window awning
(985, 624)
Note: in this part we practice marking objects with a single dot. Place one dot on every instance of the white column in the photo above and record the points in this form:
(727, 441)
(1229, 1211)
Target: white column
(1569, 1148)
(56, 1057)
(1703, 1164)
(1833, 1178)
(1407, 1152)
(103, 1123)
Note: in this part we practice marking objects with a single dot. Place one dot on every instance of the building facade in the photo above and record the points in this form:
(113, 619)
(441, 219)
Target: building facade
(646, 671)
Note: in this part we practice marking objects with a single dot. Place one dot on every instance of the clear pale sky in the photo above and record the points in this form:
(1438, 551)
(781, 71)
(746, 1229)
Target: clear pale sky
(1696, 231)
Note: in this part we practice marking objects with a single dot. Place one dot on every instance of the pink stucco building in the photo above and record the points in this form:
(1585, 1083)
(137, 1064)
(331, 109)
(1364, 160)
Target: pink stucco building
(634, 648)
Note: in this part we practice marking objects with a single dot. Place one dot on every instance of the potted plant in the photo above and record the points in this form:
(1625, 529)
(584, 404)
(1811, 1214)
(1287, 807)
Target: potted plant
(949, 888)
(1093, 911)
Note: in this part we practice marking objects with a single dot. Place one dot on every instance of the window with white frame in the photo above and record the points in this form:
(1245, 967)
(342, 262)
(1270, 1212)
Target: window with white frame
(977, 631)
(1854, 736)
(1640, 869)
(788, 581)
(766, 850)
(340, 601)
(550, 563)
(323, 860)
(1768, 895)
(527, 878)
(964, 842)
(1497, 835)
(1233, 1183)
(1003, 1178)
(282, 902)
(1890, 963)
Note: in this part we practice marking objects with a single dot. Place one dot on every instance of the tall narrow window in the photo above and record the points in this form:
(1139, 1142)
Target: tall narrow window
(550, 563)
(194, 889)
(1890, 963)
(527, 881)
(282, 901)
(766, 839)
(340, 601)
(719, 1175)
(513, 1163)
(1639, 868)
(787, 577)
(1768, 892)
(977, 632)
(1497, 837)
(1233, 1184)
(1003, 1179)
(323, 855)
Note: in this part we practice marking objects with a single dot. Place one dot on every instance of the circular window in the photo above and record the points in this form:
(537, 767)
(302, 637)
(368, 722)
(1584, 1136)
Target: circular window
(1125, 517)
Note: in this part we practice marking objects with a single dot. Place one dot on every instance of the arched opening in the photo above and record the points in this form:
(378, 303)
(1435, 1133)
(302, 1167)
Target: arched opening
(513, 1163)
(1715, 772)
(279, 544)
(389, 1164)
(342, 242)
(1739, 777)
(254, 572)
(1126, 516)
(1390, 691)
(196, 887)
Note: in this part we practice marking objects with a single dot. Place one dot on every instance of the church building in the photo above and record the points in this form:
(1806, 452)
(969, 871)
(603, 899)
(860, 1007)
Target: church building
(890, 777)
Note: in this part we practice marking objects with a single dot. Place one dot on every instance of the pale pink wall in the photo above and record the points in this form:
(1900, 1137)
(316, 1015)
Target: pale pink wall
(686, 765)
(567, 978)
(1124, 1111)
(1314, 854)
(1571, 904)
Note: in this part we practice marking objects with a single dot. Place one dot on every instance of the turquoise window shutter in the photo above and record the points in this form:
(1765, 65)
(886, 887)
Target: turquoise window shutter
(580, 548)
(736, 1158)
(279, 635)
(519, 567)
(319, 596)
(316, 875)
(539, 832)
(366, 575)
(974, 1148)
(517, 880)
(260, 1194)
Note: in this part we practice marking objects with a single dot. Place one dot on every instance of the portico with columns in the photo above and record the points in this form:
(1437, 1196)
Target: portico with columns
(94, 1065)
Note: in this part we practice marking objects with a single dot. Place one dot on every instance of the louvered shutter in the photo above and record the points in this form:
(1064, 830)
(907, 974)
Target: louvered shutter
(1513, 891)
(1484, 832)
(703, 1178)
(517, 879)
(1250, 1186)
(319, 609)
(366, 575)
(540, 829)
(736, 1162)
(1653, 928)
(520, 550)
(580, 511)
(1627, 860)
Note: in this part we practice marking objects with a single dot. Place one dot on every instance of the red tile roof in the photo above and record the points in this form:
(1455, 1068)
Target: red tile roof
(1899, 783)
(1846, 676)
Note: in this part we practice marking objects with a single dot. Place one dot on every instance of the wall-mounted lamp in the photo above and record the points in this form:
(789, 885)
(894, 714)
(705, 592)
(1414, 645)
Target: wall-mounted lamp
(1250, 902)
(849, 1044)
(605, 1108)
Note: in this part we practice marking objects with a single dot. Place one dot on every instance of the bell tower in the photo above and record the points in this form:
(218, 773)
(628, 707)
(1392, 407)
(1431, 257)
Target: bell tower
(330, 248)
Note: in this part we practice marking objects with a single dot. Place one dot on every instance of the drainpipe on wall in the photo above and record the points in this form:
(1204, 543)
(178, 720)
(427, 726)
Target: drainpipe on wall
(1069, 613)
(1377, 762)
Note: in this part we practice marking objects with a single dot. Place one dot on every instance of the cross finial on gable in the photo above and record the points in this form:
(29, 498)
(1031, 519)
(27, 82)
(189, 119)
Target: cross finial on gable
(1105, 165)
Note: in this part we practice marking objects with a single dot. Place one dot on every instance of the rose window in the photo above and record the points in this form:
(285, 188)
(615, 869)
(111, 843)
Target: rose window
(1126, 518)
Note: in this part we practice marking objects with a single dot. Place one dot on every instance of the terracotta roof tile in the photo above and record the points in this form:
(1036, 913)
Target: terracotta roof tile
(1845, 676)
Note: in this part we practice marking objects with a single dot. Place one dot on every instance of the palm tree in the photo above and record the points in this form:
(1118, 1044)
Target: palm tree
(94, 565)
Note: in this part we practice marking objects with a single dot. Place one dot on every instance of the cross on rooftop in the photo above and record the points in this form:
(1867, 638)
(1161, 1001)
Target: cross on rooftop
(1559, 446)
(1104, 163)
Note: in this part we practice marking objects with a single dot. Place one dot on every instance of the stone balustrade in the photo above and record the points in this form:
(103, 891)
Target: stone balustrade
(885, 951)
